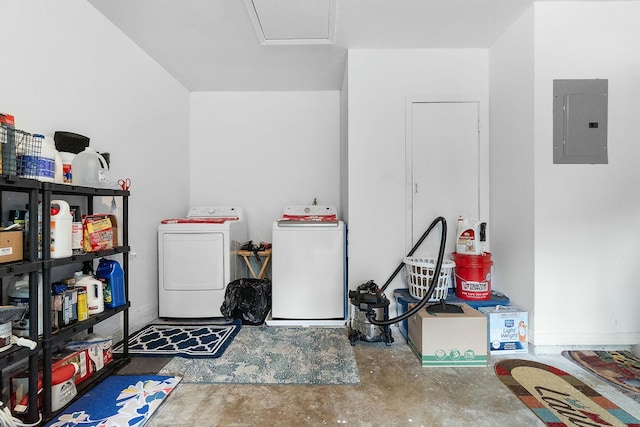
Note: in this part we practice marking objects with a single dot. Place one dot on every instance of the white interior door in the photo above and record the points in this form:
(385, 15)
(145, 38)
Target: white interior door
(443, 162)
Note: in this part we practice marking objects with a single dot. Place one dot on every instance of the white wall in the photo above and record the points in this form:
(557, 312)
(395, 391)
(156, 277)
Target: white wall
(587, 217)
(379, 82)
(512, 164)
(66, 67)
(263, 151)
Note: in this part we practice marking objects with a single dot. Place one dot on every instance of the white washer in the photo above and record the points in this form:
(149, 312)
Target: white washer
(308, 270)
(197, 258)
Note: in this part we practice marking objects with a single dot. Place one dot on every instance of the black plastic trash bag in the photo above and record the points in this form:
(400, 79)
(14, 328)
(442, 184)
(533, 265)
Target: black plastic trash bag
(248, 300)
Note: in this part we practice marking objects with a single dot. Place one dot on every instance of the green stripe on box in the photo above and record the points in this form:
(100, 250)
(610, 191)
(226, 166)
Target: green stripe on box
(477, 360)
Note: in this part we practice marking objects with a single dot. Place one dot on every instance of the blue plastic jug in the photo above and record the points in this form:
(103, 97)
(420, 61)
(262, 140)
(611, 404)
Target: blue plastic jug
(113, 276)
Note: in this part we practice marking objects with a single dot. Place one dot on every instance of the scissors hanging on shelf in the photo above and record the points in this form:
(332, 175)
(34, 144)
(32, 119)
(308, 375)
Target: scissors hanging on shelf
(125, 184)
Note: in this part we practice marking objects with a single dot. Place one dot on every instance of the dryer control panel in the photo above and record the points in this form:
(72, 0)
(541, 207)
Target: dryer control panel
(215, 212)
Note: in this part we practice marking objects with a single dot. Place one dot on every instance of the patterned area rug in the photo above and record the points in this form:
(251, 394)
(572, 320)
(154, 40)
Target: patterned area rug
(185, 340)
(272, 355)
(558, 398)
(621, 368)
(119, 400)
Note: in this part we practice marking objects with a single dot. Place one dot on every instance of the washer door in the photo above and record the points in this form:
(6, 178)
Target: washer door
(193, 261)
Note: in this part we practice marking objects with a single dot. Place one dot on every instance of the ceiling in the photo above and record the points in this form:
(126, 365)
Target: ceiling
(218, 45)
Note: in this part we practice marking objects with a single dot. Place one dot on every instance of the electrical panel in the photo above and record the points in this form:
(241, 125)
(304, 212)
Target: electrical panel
(580, 121)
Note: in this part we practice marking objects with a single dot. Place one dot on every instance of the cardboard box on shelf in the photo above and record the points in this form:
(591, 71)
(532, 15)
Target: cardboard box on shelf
(99, 350)
(78, 357)
(507, 329)
(98, 232)
(449, 339)
(11, 246)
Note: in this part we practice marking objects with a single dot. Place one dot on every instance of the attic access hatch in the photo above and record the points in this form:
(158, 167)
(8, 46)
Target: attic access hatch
(290, 22)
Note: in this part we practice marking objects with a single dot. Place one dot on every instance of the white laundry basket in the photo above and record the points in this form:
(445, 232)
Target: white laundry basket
(419, 273)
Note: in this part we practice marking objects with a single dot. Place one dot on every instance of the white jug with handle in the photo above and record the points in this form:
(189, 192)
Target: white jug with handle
(61, 225)
(470, 236)
(90, 169)
(95, 292)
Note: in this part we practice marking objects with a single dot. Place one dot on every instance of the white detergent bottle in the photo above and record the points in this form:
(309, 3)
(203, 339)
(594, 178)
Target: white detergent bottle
(470, 236)
(58, 176)
(61, 224)
(95, 293)
(47, 159)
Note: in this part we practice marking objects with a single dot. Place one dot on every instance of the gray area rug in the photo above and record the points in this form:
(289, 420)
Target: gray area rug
(272, 355)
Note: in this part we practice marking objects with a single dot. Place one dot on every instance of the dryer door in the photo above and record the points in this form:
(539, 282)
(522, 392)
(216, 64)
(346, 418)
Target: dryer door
(193, 261)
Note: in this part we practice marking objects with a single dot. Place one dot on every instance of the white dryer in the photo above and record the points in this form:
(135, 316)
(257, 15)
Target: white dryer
(308, 270)
(197, 258)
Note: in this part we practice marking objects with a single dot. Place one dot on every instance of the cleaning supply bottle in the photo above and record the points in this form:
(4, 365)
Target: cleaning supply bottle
(470, 236)
(77, 234)
(67, 171)
(61, 224)
(113, 276)
(95, 293)
(47, 160)
(58, 176)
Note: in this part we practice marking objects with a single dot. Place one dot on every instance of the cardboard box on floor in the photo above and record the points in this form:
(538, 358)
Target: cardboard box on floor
(449, 339)
(507, 329)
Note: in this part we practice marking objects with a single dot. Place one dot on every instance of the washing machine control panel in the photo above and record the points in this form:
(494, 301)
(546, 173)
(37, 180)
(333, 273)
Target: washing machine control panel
(310, 210)
(214, 212)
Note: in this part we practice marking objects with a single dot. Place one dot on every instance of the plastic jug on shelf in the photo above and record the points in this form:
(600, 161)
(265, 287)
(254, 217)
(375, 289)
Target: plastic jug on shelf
(90, 169)
(471, 236)
(61, 224)
(95, 293)
(113, 276)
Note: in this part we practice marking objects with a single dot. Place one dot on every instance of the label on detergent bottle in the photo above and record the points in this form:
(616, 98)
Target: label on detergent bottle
(108, 294)
(467, 241)
(46, 168)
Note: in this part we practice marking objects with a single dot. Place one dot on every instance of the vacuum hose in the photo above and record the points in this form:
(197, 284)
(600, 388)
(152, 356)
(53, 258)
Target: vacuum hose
(434, 282)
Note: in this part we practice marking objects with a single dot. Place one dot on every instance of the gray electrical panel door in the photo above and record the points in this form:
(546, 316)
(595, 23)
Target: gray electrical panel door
(580, 121)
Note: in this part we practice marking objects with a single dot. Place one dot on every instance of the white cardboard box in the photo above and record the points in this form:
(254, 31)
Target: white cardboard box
(507, 328)
(449, 339)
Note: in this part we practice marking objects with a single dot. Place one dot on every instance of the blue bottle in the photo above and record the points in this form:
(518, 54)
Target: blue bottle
(113, 276)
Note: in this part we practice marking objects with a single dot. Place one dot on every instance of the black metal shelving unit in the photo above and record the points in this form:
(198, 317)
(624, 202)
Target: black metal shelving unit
(48, 343)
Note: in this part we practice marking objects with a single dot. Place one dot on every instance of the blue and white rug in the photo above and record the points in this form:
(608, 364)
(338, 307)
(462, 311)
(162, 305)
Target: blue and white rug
(119, 400)
(184, 340)
(272, 355)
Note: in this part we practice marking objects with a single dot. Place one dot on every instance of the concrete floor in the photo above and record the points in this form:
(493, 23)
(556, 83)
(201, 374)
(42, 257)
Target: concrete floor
(394, 390)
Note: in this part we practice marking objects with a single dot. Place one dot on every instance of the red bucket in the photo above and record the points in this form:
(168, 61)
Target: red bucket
(473, 276)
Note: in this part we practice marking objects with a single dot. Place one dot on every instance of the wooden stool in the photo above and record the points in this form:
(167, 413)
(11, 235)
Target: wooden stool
(264, 255)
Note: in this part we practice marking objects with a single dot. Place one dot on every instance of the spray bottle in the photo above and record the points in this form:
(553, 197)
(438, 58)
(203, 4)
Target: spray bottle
(471, 236)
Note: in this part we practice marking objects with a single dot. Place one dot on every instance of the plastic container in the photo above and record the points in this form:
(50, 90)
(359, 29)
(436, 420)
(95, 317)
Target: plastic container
(90, 169)
(95, 294)
(61, 229)
(419, 273)
(468, 238)
(67, 170)
(473, 276)
(47, 160)
(77, 234)
(58, 176)
(113, 276)
(19, 296)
